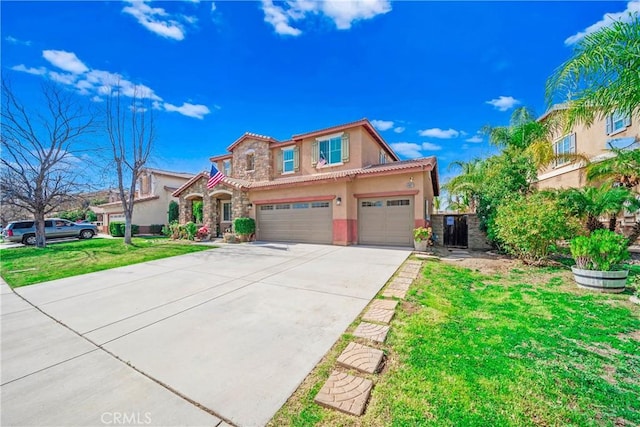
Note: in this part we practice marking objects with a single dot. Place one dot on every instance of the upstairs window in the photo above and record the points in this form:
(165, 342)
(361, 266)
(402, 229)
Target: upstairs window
(226, 167)
(383, 157)
(617, 122)
(250, 162)
(288, 160)
(330, 150)
(564, 146)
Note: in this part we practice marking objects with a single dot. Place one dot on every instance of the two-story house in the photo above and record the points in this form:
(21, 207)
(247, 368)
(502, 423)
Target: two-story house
(154, 190)
(594, 142)
(341, 185)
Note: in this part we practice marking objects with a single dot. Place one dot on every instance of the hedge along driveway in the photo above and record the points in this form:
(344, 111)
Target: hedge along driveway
(28, 265)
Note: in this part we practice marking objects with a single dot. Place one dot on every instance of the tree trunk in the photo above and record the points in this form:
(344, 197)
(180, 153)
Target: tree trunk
(635, 233)
(593, 223)
(613, 220)
(41, 240)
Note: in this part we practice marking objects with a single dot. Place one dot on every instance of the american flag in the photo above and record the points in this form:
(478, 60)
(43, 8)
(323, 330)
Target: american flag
(322, 161)
(215, 176)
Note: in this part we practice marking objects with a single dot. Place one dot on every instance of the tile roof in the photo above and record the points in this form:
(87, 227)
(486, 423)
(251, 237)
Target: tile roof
(426, 163)
(170, 173)
(251, 135)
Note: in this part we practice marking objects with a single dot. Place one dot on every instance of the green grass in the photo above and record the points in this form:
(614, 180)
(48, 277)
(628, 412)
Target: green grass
(29, 265)
(521, 348)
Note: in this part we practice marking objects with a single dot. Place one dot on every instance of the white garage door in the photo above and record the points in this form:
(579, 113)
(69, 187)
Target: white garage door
(305, 222)
(386, 221)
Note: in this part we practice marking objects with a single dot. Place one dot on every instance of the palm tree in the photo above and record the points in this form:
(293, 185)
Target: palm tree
(602, 75)
(533, 138)
(623, 169)
(594, 202)
(464, 189)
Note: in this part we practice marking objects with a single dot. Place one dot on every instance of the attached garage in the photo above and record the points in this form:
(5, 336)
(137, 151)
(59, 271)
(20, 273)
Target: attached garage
(386, 221)
(304, 222)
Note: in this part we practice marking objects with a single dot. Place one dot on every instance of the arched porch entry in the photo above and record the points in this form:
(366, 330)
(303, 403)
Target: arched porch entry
(221, 211)
(192, 209)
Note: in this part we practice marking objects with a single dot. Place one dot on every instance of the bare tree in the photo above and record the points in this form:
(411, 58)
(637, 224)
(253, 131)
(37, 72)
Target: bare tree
(131, 131)
(42, 161)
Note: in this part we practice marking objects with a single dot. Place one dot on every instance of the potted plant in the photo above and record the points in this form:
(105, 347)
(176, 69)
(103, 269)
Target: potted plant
(598, 261)
(422, 238)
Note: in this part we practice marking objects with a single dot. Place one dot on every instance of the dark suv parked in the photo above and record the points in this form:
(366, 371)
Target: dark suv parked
(54, 228)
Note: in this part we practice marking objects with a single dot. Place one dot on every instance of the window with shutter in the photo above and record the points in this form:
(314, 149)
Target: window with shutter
(617, 122)
(564, 146)
(288, 160)
(296, 158)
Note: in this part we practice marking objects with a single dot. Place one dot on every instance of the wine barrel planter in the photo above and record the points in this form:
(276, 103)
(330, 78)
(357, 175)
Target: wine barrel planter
(601, 281)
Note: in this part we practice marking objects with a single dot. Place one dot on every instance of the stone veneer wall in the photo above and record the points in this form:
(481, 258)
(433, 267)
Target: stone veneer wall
(261, 161)
(210, 208)
(477, 239)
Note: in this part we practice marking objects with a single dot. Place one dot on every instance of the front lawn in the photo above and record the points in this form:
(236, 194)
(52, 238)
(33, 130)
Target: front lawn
(516, 347)
(29, 265)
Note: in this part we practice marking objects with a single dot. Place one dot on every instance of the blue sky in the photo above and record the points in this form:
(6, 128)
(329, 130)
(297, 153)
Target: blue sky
(429, 75)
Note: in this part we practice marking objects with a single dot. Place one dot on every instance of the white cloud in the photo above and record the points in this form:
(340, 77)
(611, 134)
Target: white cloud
(67, 61)
(399, 129)
(342, 13)
(31, 70)
(382, 124)
(474, 138)
(407, 149)
(277, 17)
(99, 83)
(431, 146)
(503, 103)
(155, 19)
(607, 20)
(213, 6)
(439, 133)
(14, 40)
(187, 109)
(64, 78)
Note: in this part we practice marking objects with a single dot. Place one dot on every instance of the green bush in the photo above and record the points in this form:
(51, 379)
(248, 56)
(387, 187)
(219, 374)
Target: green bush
(174, 211)
(191, 230)
(603, 250)
(244, 226)
(529, 227)
(197, 211)
(116, 229)
(156, 229)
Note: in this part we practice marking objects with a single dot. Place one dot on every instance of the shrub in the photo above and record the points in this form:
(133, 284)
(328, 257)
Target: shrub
(603, 250)
(174, 211)
(197, 210)
(191, 230)
(530, 227)
(156, 229)
(244, 226)
(116, 229)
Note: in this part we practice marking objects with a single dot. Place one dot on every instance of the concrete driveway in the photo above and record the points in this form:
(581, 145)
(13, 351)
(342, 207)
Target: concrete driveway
(226, 334)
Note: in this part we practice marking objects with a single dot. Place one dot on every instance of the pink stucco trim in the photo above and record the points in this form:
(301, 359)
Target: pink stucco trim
(386, 194)
(294, 199)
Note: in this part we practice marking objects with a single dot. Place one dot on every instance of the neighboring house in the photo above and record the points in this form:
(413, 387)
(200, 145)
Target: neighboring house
(151, 202)
(594, 142)
(341, 185)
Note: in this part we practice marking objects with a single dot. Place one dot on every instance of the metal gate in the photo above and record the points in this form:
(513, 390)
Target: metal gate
(455, 231)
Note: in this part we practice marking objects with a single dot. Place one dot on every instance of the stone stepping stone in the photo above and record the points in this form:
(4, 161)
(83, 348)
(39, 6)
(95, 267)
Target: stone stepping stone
(399, 286)
(411, 267)
(361, 357)
(378, 315)
(404, 274)
(385, 304)
(372, 331)
(394, 293)
(344, 392)
(413, 262)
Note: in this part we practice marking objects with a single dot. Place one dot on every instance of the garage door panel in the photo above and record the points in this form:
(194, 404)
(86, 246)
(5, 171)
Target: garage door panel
(385, 221)
(305, 222)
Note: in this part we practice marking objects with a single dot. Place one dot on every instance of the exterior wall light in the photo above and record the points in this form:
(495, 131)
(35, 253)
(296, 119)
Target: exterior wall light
(338, 201)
